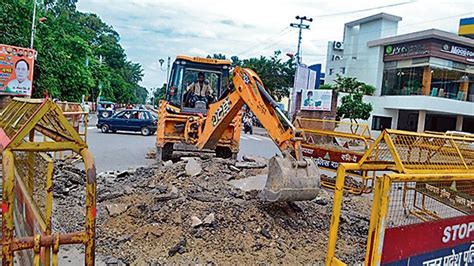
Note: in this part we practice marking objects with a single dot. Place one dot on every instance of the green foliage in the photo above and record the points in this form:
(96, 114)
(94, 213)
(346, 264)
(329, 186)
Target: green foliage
(277, 75)
(159, 94)
(352, 105)
(77, 52)
(326, 87)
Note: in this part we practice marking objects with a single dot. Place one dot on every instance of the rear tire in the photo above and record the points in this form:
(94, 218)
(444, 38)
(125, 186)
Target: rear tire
(145, 131)
(105, 128)
(223, 152)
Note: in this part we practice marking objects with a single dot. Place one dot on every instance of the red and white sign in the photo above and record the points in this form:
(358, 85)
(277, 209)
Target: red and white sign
(327, 158)
(431, 243)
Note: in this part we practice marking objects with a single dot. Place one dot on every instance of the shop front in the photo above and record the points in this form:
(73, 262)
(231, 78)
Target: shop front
(430, 67)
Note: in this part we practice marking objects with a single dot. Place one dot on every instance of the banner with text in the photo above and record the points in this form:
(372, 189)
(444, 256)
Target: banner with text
(16, 70)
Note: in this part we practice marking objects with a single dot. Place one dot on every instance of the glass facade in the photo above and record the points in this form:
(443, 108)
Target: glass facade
(446, 83)
(449, 84)
(402, 81)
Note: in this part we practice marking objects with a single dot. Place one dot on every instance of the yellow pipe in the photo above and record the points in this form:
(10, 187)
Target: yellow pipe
(338, 194)
(7, 206)
(49, 207)
(90, 170)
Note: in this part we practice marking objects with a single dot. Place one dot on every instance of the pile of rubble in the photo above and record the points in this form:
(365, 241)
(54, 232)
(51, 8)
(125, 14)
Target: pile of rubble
(188, 212)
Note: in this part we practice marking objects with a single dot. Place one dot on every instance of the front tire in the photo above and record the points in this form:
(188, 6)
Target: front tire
(105, 128)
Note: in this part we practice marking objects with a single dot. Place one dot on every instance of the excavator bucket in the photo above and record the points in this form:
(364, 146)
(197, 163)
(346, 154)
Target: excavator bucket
(291, 180)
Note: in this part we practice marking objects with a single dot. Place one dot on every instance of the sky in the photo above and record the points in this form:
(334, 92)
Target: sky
(151, 30)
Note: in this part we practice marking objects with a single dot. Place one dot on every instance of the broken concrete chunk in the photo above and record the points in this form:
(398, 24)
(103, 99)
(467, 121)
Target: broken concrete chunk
(233, 168)
(168, 163)
(264, 232)
(210, 219)
(255, 159)
(193, 168)
(250, 165)
(178, 248)
(172, 194)
(116, 209)
(195, 222)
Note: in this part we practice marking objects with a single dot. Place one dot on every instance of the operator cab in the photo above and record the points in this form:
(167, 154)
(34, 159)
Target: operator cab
(197, 82)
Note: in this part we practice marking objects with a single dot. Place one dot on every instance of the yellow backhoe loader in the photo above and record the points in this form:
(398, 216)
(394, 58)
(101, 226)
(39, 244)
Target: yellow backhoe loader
(203, 109)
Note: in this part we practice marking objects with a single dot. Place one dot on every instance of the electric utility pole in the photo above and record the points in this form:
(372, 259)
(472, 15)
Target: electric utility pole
(300, 26)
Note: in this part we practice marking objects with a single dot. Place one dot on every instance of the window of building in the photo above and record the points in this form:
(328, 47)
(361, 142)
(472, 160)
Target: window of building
(402, 81)
(343, 70)
(381, 122)
(440, 123)
(331, 71)
(468, 124)
(407, 120)
(450, 84)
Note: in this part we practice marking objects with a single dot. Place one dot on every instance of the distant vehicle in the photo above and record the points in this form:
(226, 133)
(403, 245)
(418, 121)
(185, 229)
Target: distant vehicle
(129, 120)
(105, 109)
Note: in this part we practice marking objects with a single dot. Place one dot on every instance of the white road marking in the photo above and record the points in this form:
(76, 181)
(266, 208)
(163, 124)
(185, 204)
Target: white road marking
(243, 137)
(91, 127)
(254, 138)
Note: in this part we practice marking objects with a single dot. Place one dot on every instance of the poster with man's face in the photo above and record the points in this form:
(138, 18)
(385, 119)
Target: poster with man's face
(16, 70)
(316, 100)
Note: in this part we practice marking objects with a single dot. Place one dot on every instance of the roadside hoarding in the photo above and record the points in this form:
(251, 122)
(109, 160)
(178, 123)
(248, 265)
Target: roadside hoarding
(16, 70)
(316, 100)
(442, 242)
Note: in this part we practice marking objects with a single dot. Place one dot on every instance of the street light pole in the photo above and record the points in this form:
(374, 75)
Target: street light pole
(33, 26)
(161, 60)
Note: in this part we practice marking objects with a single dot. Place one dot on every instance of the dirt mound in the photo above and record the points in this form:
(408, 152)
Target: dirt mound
(161, 214)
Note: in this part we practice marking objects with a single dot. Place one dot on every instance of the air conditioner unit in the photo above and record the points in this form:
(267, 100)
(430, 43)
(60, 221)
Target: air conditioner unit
(338, 46)
(336, 57)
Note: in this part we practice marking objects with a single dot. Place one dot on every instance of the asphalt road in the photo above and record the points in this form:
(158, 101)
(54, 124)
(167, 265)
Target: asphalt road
(123, 150)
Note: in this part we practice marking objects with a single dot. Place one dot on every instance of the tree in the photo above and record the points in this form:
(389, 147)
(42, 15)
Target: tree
(78, 53)
(276, 74)
(352, 105)
(159, 94)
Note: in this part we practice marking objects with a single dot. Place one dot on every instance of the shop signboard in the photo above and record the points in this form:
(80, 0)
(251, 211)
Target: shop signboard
(429, 47)
(316, 100)
(459, 51)
(406, 49)
(441, 242)
(16, 70)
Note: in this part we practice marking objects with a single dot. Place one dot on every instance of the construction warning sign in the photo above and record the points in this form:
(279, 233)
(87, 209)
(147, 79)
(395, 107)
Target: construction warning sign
(16, 70)
(442, 242)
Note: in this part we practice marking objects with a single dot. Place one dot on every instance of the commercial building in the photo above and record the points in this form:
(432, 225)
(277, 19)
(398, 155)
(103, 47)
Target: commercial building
(424, 80)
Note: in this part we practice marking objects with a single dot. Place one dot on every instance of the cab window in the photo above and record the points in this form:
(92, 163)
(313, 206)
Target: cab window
(176, 86)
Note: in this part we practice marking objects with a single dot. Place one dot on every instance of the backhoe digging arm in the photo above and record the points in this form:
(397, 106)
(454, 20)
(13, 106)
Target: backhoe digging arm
(249, 90)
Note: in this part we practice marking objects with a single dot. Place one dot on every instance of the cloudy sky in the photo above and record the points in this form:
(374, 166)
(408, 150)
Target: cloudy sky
(154, 29)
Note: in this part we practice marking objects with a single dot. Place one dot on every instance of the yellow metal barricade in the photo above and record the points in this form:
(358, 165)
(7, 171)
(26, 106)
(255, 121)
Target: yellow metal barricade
(330, 143)
(79, 121)
(420, 179)
(29, 130)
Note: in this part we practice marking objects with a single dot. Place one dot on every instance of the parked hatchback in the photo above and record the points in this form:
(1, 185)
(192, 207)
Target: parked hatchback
(129, 120)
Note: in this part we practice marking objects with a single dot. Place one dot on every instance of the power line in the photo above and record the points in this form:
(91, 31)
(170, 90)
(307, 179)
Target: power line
(365, 9)
(282, 32)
